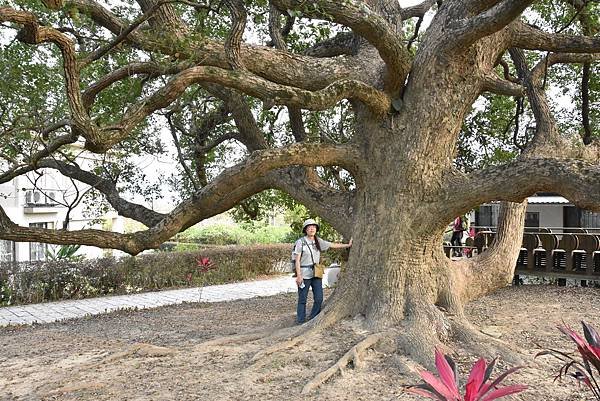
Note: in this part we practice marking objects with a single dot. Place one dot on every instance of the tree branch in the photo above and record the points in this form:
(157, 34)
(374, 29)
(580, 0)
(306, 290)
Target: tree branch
(294, 113)
(495, 84)
(306, 72)
(253, 85)
(108, 189)
(342, 43)
(149, 68)
(37, 156)
(562, 58)
(417, 11)
(104, 239)
(228, 189)
(309, 190)
(34, 33)
(172, 127)
(577, 179)
(467, 31)
(546, 127)
(101, 51)
(365, 22)
(234, 38)
(495, 267)
(250, 133)
(527, 37)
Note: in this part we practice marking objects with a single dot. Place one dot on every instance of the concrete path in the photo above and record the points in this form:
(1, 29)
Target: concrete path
(54, 311)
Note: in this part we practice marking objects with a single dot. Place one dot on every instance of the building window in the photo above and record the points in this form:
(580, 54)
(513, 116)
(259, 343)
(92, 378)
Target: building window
(532, 219)
(7, 251)
(37, 250)
(590, 219)
(487, 215)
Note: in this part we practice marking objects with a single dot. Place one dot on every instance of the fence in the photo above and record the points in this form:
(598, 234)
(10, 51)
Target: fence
(552, 252)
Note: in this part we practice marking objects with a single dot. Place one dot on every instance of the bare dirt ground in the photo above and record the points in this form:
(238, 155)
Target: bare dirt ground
(161, 354)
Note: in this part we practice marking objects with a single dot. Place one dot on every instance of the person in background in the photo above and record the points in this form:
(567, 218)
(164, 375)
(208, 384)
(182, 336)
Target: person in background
(469, 237)
(307, 253)
(458, 227)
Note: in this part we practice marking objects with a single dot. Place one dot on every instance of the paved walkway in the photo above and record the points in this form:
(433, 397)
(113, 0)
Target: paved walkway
(54, 311)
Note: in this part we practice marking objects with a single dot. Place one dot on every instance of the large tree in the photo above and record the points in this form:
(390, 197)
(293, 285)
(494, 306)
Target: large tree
(388, 176)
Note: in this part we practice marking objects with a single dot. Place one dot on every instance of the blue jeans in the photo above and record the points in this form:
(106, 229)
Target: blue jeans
(317, 288)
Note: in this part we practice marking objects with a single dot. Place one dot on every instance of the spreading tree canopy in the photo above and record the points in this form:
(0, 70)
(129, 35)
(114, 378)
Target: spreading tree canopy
(387, 121)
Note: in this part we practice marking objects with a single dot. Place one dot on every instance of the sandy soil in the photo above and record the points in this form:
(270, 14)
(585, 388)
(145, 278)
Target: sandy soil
(160, 355)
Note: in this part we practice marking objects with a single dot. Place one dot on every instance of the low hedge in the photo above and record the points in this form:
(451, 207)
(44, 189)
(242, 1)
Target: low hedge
(34, 282)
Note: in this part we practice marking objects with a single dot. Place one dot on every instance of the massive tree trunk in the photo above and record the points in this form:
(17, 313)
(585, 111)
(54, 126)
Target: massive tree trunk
(398, 274)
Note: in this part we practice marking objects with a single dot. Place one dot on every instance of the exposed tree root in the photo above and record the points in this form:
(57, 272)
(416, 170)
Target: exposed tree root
(477, 343)
(280, 346)
(233, 339)
(354, 356)
(271, 333)
(297, 334)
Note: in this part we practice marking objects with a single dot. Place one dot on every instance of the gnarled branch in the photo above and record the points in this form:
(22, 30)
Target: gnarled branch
(365, 22)
(253, 85)
(234, 38)
(108, 189)
(527, 37)
(577, 179)
(467, 31)
(546, 128)
(494, 84)
(34, 33)
(147, 68)
(418, 10)
(230, 187)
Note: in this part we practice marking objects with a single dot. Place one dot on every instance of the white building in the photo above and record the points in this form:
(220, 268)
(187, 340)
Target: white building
(547, 210)
(40, 200)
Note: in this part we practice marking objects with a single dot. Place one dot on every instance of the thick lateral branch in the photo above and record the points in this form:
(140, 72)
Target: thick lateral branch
(333, 205)
(365, 22)
(537, 72)
(47, 151)
(100, 15)
(219, 195)
(108, 188)
(467, 31)
(254, 86)
(418, 10)
(577, 180)
(150, 68)
(232, 186)
(34, 33)
(13, 232)
(495, 84)
(296, 70)
(527, 37)
(495, 267)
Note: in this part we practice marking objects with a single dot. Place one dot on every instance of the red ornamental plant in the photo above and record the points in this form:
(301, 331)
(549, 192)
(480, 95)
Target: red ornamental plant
(583, 370)
(446, 386)
(203, 265)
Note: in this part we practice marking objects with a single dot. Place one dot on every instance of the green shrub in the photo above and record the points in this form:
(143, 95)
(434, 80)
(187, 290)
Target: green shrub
(216, 235)
(33, 282)
(234, 235)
